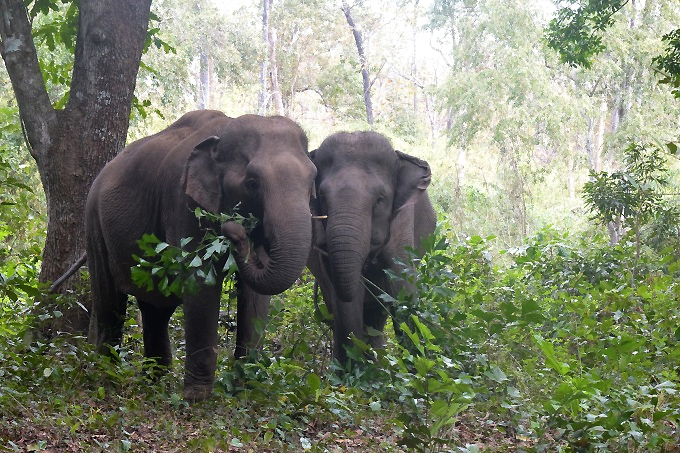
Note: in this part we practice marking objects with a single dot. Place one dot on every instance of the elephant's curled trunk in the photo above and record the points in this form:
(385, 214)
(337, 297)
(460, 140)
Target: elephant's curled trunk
(275, 271)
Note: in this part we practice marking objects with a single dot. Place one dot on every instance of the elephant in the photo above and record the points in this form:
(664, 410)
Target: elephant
(260, 166)
(370, 203)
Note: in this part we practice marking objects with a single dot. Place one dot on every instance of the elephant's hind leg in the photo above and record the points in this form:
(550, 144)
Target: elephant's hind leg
(109, 305)
(155, 323)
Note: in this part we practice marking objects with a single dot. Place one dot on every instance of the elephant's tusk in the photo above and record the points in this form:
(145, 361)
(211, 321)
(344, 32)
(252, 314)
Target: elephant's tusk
(319, 217)
(320, 251)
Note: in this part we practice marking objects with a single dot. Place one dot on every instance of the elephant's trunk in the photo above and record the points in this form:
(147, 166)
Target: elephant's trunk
(348, 242)
(289, 240)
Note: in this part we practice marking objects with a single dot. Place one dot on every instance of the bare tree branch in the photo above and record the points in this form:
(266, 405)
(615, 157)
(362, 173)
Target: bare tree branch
(358, 39)
(21, 61)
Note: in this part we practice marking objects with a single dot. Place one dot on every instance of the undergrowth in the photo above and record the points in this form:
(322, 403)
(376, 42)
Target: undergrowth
(562, 344)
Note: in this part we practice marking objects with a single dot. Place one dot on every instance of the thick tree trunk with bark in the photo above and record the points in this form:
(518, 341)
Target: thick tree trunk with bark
(359, 40)
(72, 145)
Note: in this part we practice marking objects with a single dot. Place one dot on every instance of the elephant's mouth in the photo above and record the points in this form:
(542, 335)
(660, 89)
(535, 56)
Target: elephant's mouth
(261, 244)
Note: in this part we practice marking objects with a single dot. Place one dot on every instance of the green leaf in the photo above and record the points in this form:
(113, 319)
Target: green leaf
(313, 382)
(230, 267)
(211, 278)
(423, 365)
(496, 374)
(549, 353)
(196, 262)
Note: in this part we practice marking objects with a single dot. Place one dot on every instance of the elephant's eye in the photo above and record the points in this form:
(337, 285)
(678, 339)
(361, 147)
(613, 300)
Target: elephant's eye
(380, 202)
(251, 185)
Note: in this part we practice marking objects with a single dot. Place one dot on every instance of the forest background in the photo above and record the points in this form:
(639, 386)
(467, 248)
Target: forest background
(538, 253)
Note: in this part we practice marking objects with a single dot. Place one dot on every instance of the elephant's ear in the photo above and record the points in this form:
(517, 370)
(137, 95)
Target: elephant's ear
(200, 179)
(413, 177)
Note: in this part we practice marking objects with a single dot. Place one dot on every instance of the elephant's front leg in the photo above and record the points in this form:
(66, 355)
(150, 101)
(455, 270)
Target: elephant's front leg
(252, 309)
(201, 313)
(348, 316)
(348, 322)
(375, 318)
(376, 310)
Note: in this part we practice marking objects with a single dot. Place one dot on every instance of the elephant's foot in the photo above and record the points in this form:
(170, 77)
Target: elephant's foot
(197, 392)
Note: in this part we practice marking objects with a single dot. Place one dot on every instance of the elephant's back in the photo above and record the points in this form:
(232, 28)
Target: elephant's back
(165, 141)
(159, 156)
(132, 189)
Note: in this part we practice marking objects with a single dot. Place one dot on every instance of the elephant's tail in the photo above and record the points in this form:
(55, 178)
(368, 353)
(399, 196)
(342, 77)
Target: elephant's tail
(71, 270)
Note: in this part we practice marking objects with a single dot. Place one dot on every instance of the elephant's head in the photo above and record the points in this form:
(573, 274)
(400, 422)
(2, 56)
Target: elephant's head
(260, 166)
(361, 184)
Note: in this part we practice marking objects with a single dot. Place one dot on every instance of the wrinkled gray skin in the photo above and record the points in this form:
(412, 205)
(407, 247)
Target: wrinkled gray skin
(376, 202)
(209, 160)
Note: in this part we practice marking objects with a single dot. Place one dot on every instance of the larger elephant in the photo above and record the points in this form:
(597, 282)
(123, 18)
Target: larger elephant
(371, 202)
(258, 165)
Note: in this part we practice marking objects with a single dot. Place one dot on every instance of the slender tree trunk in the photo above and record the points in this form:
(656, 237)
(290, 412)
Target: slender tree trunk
(359, 40)
(204, 81)
(414, 61)
(274, 72)
(263, 66)
(571, 174)
(72, 145)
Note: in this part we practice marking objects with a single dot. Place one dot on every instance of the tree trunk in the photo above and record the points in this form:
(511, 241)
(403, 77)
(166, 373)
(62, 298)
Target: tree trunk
(72, 145)
(204, 81)
(359, 40)
(274, 73)
(571, 174)
(263, 66)
(414, 55)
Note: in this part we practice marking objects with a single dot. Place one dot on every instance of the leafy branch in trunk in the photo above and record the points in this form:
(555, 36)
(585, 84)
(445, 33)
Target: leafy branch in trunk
(174, 270)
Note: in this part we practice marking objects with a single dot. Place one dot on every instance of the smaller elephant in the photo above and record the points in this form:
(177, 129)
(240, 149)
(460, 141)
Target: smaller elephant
(371, 202)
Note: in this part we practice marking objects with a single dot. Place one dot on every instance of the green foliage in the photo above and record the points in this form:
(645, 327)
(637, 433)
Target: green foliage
(669, 62)
(576, 31)
(433, 398)
(557, 350)
(605, 343)
(21, 228)
(632, 194)
(177, 270)
(635, 197)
